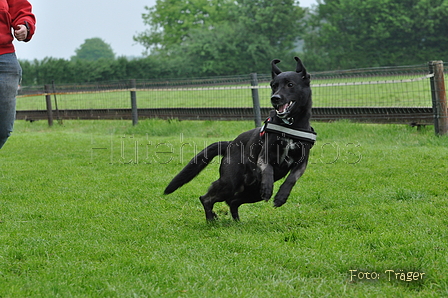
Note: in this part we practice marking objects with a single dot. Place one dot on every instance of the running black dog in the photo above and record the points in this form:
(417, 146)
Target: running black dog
(258, 157)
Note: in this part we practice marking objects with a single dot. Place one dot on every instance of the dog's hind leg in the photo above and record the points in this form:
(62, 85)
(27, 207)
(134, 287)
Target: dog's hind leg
(250, 194)
(234, 205)
(216, 193)
(210, 215)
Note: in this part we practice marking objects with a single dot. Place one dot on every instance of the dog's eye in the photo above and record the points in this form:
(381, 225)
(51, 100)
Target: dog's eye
(290, 85)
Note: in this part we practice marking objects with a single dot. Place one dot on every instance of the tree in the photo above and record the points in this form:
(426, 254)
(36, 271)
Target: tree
(170, 21)
(220, 37)
(93, 49)
(366, 33)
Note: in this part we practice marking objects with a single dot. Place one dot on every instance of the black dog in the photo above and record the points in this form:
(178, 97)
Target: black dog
(256, 158)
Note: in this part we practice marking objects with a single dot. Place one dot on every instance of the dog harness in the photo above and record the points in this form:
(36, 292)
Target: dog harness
(293, 133)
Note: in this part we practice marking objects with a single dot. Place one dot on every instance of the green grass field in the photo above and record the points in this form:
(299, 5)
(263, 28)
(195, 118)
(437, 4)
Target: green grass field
(82, 215)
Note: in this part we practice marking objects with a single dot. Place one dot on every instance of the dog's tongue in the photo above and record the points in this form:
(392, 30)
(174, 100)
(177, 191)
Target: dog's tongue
(282, 108)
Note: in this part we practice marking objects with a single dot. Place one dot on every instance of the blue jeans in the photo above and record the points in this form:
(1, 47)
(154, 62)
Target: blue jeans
(10, 76)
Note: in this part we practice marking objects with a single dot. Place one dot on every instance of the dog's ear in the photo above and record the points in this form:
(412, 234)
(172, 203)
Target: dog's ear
(275, 70)
(301, 69)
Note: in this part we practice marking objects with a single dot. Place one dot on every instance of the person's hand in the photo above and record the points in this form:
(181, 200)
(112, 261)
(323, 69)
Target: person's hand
(21, 32)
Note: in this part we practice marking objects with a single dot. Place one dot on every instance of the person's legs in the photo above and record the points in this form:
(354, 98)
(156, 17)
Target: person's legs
(10, 75)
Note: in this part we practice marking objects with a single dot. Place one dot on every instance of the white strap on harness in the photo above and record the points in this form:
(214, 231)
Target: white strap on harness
(297, 134)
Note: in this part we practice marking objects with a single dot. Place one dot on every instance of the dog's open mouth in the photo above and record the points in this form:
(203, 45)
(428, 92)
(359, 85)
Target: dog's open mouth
(283, 110)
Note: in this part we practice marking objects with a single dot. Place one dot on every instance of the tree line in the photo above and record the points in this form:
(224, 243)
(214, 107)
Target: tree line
(198, 38)
(82, 71)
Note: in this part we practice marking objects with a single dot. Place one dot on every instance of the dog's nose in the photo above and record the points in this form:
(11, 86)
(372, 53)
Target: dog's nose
(276, 98)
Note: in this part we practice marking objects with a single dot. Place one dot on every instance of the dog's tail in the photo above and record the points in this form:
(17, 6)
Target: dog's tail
(196, 165)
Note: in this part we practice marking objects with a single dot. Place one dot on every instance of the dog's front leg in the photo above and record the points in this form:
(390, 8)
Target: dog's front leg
(285, 189)
(267, 179)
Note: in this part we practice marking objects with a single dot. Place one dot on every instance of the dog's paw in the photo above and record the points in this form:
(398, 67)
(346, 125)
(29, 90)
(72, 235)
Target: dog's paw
(278, 202)
(211, 217)
(265, 192)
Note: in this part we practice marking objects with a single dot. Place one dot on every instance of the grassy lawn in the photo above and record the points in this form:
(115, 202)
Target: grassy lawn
(82, 215)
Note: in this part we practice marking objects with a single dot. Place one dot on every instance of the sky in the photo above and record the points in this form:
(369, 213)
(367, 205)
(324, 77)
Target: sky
(63, 25)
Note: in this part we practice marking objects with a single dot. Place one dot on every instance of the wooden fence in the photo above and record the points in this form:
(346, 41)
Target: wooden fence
(408, 95)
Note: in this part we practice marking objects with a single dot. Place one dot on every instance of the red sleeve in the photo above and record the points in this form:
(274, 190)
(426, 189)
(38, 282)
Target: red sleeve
(20, 11)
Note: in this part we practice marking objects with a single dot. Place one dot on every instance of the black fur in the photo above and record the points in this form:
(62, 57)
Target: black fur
(196, 165)
(253, 162)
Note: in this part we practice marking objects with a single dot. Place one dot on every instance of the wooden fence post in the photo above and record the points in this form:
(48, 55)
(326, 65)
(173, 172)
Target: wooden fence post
(56, 103)
(48, 101)
(438, 94)
(255, 99)
(134, 103)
